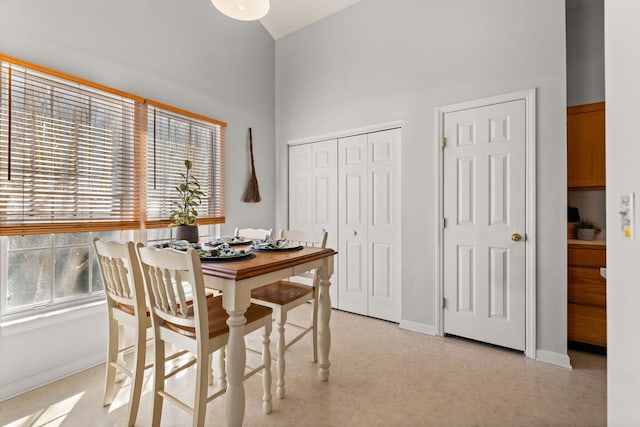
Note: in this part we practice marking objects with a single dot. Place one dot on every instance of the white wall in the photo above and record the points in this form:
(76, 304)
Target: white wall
(385, 60)
(591, 205)
(622, 65)
(585, 52)
(182, 53)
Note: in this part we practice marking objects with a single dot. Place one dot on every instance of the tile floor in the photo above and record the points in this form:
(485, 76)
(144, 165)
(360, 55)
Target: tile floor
(380, 376)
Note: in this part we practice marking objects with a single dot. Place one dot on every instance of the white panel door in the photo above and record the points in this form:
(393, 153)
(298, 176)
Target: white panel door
(313, 196)
(484, 207)
(384, 234)
(353, 225)
(325, 201)
(300, 188)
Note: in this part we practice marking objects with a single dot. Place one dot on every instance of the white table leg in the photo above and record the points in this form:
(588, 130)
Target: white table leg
(266, 374)
(235, 301)
(236, 360)
(324, 315)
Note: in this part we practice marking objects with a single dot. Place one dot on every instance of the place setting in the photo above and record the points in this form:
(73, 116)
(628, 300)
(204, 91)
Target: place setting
(230, 240)
(224, 253)
(279, 245)
(218, 251)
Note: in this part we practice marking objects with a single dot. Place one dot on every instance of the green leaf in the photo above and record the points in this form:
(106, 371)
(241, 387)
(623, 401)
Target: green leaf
(190, 197)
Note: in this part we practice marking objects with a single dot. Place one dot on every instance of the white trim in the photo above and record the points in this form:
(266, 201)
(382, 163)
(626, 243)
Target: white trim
(439, 205)
(46, 319)
(530, 227)
(423, 328)
(43, 378)
(529, 96)
(347, 132)
(554, 358)
(3, 273)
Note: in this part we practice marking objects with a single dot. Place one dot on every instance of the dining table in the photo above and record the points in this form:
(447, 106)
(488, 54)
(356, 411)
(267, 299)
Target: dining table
(236, 279)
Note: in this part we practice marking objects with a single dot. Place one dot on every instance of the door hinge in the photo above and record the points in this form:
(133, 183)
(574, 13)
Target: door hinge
(444, 302)
(443, 222)
(443, 142)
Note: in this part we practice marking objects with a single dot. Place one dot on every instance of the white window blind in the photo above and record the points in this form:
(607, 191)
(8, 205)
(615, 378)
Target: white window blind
(67, 155)
(79, 156)
(175, 136)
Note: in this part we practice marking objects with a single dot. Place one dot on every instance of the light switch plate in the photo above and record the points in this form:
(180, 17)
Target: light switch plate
(627, 216)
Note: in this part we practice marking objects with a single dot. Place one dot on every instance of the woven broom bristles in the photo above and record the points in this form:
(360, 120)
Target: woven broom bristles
(252, 192)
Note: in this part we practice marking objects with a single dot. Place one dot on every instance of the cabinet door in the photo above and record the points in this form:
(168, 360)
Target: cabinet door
(384, 219)
(587, 286)
(352, 219)
(586, 146)
(587, 324)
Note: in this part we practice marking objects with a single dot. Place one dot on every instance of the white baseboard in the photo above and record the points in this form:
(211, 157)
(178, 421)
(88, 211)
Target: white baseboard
(40, 379)
(554, 358)
(423, 328)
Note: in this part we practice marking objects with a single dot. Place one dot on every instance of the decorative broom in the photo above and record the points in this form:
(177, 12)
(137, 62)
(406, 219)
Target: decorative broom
(252, 193)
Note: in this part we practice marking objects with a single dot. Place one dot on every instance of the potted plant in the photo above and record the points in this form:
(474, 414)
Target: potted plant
(585, 230)
(184, 214)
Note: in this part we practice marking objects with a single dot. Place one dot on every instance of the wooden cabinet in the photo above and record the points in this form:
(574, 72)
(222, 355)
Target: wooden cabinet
(587, 311)
(586, 147)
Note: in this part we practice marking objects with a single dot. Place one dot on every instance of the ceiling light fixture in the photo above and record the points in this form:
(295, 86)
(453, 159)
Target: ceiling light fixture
(243, 10)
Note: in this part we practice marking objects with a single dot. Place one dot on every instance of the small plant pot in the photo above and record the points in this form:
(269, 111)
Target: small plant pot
(188, 233)
(586, 234)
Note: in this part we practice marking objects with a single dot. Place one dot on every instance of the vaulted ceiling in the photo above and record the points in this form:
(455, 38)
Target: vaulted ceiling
(287, 16)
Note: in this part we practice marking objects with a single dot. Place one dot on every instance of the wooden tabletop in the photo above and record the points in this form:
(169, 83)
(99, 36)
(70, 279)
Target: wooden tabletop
(264, 262)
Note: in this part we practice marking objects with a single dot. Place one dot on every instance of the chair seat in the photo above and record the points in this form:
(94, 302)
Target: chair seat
(130, 310)
(282, 292)
(218, 318)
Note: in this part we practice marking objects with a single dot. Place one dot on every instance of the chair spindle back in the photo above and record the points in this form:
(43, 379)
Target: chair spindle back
(121, 275)
(171, 277)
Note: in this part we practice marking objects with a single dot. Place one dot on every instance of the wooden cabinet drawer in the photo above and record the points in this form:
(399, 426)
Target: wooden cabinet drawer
(596, 257)
(587, 324)
(586, 286)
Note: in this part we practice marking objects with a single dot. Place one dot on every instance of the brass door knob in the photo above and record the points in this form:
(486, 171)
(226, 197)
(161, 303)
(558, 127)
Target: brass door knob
(516, 237)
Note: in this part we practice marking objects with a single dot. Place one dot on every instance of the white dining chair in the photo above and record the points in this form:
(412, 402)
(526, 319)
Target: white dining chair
(253, 233)
(200, 328)
(124, 291)
(285, 295)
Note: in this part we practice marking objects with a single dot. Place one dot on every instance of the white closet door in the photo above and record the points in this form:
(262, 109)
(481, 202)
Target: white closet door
(384, 232)
(300, 188)
(353, 227)
(313, 204)
(325, 201)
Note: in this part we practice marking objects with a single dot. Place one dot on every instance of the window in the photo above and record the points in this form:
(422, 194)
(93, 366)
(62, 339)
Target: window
(78, 160)
(173, 138)
(67, 155)
(49, 270)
